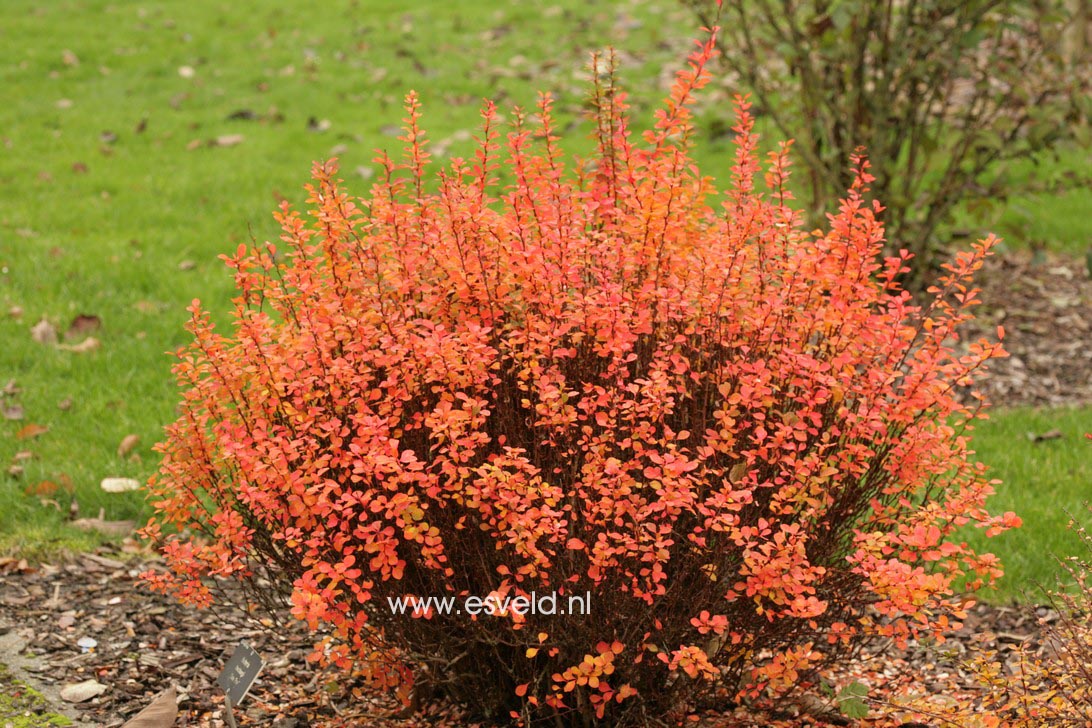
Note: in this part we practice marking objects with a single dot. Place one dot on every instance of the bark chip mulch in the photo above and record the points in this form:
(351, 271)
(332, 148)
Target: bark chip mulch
(144, 643)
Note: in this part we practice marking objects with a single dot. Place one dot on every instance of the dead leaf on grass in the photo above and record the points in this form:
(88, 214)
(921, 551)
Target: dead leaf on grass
(1044, 436)
(227, 140)
(13, 412)
(87, 345)
(100, 524)
(83, 325)
(43, 489)
(44, 333)
(128, 444)
(65, 404)
(32, 430)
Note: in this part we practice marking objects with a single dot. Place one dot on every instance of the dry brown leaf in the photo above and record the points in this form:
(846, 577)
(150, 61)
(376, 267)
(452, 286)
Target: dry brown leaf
(32, 430)
(44, 333)
(12, 412)
(108, 528)
(128, 444)
(161, 713)
(227, 140)
(87, 345)
(1048, 435)
(80, 692)
(83, 325)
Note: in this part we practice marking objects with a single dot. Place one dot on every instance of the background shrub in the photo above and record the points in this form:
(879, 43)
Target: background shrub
(939, 93)
(742, 438)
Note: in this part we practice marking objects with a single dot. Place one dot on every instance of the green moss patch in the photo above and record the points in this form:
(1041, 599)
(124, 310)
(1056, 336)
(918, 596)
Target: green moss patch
(21, 706)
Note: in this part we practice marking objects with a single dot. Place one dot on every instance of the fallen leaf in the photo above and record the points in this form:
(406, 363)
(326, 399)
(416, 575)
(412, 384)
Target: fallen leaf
(15, 471)
(22, 455)
(108, 137)
(187, 265)
(87, 345)
(43, 489)
(119, 485)
(11, 388)
(69, 58)
(128, 444)
(65, 404)
(12, 565)
(1048, 435)
(186, 71)
(81, 692)
(44, 333)
(32, 430)
(79, 168)
(107, 528)
(13, 412)
(193, 144)
(227, 140)
(83, 325)
(15, 312)
(161, 713)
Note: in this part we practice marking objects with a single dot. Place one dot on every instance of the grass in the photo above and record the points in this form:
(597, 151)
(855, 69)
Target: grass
(113, 203)
(1043, 482)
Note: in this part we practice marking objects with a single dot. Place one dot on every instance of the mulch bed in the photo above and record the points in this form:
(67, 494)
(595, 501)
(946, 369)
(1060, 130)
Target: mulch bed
(1045, 307)
(147, 642)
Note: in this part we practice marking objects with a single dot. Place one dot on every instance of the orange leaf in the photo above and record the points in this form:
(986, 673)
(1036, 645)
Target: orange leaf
(32, 430)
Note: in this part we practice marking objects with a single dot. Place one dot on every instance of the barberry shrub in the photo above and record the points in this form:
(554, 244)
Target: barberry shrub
(740, 437)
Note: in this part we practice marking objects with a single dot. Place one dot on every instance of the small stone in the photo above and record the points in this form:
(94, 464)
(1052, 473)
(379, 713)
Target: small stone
(119, 485)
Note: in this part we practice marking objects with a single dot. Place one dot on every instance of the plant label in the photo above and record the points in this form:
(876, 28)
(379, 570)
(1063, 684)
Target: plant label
(240, 672)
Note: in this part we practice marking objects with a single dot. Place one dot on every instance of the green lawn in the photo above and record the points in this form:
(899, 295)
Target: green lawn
(1043, 482)
(115, 199)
